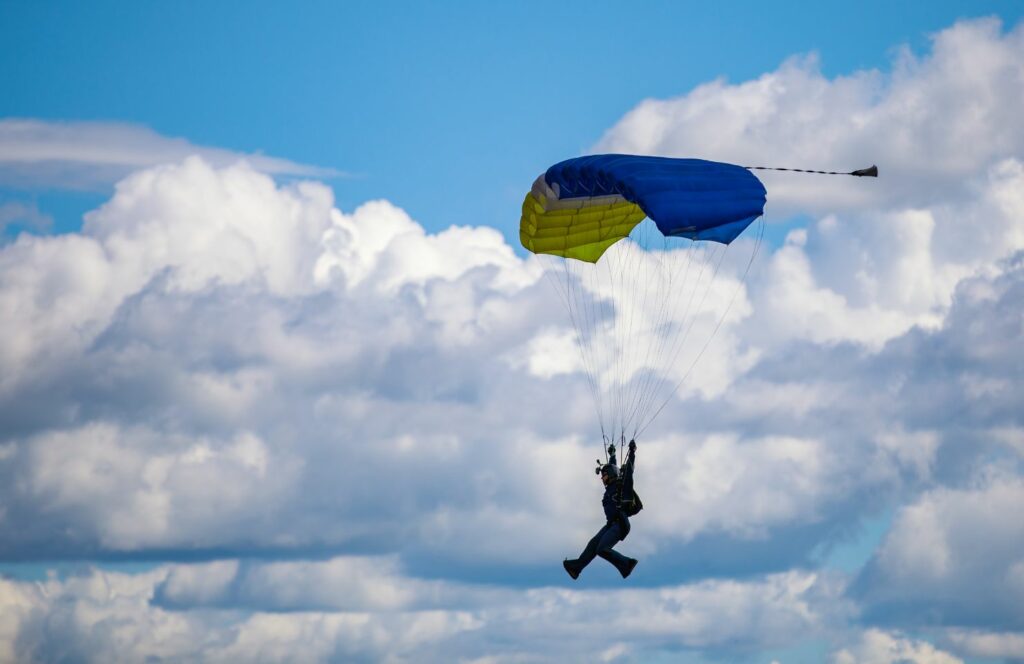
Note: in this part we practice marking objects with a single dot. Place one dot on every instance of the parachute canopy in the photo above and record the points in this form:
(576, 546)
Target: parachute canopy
(638, 250)
(582, 206)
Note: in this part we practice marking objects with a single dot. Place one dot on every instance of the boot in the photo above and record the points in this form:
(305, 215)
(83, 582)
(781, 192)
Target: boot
(571, 566)
(627, 569)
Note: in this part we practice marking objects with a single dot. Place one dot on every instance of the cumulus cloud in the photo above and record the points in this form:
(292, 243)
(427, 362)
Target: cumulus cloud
(880, 647)
(109, 617)
(200, 311)
(931, 569)
(136, 489)
(64, 290)
(286, 400)
(91, 155)
(870, 277)
(979, 643)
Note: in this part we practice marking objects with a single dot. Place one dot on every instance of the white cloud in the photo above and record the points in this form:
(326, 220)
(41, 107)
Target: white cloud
(365, 608)
(744, 487)
(196, 225)
(228, 226)
(954, 556)
(976, 643)
(110, 617)
(190, 323)
(134, 488)
(381, 244)
(794, 306)
(89, 155)
(880, 647)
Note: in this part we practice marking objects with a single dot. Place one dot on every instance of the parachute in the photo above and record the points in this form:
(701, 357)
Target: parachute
(635, 246)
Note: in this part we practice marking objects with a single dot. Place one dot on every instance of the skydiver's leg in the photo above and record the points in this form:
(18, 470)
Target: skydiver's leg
(574, 567)
(593, 546)
(612, 536)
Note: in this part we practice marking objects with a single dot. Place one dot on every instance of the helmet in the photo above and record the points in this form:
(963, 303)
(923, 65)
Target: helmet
(611, 470)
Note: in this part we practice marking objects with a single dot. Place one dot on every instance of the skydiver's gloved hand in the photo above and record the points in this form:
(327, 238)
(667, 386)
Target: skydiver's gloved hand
(632, 446)
(611, 455)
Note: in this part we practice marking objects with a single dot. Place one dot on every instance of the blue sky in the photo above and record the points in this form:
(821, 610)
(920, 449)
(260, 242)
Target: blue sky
(405, 97)
(276, 376)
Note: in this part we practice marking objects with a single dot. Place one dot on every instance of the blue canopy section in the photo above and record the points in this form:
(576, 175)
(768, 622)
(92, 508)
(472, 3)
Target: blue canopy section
(693, 198)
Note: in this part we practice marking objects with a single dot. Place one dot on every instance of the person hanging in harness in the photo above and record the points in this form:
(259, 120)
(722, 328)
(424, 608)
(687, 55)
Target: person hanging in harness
(620, 502)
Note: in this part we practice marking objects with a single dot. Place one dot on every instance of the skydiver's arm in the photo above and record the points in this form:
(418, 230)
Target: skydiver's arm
(627, 467)
(630, 457)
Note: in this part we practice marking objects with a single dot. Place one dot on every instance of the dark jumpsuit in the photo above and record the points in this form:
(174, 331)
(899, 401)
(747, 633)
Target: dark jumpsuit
(614, 530)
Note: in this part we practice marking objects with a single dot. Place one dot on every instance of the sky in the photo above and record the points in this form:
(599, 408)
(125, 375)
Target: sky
(278, 382)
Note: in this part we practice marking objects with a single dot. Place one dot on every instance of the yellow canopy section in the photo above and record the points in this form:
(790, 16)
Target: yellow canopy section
(580, 228)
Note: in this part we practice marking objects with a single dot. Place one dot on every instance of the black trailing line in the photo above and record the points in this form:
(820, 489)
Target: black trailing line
(871, 172)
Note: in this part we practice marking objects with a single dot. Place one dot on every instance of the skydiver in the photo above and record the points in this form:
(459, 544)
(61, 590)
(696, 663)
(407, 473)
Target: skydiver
(617, 526)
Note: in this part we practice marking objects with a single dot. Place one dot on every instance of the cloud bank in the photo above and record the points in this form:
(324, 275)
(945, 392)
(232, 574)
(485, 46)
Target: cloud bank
(94, 155)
